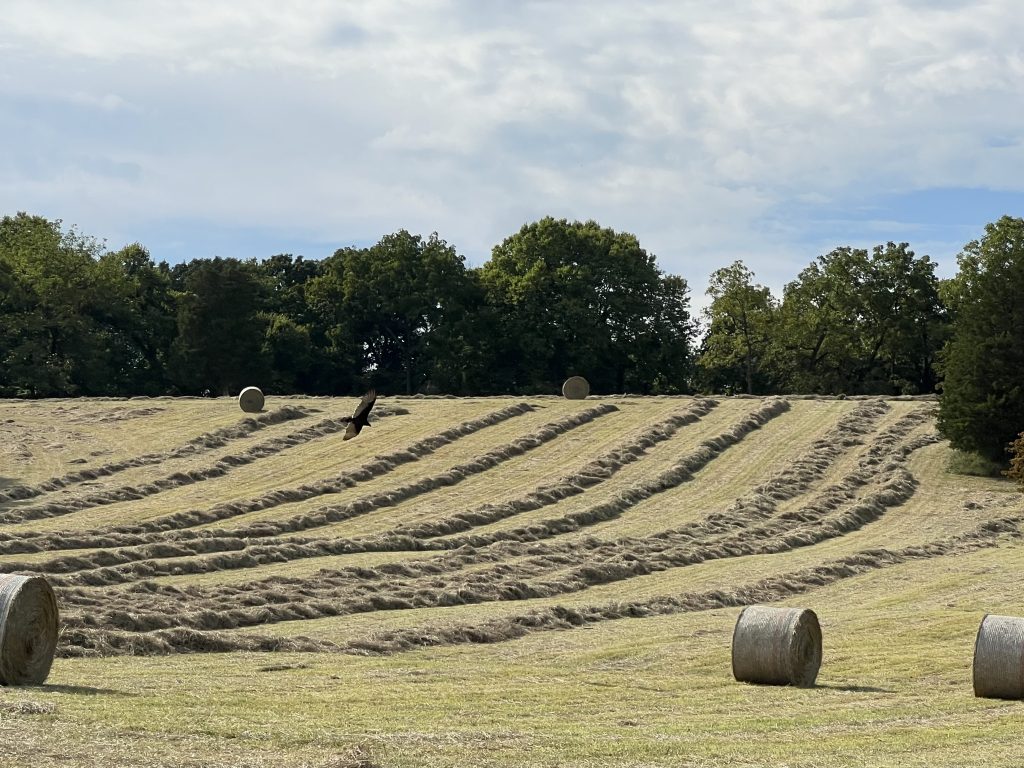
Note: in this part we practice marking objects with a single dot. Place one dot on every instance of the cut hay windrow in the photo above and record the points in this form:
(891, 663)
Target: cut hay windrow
(169, 524)
(998, 667)
(178, 479)
(315, 548)
(28, 629)
(646, 558)
(680, 472)
(776, 646)
(592, 473)
(85, 641)
(590, 563)
(205, 442)
(136, 564)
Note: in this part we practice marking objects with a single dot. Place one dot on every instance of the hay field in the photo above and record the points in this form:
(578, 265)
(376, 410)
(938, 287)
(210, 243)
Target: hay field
(500, 582)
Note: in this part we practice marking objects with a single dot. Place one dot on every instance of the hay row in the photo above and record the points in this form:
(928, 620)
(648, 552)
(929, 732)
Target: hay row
(327, 515)
(25, 542)
(600, 563)
(591, 474)
(680, 472)
(220, 468)
(127, 564)
(762, 502)
(341, 547)
(280, 552)
(135, 562)
(84, 641)
(205, 442)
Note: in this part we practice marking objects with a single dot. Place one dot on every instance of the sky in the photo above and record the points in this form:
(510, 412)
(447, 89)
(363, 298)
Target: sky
(767, 131)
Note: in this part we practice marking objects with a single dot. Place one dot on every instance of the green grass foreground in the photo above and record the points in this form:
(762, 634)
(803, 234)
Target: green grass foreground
(894, 686)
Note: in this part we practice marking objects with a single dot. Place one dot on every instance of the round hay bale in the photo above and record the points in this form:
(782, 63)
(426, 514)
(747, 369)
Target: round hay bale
(999, 658)
(251, 400)
(778, 646)
(575, 388)
(28, 629)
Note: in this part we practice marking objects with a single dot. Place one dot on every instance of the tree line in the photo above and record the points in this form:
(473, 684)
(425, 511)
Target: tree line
(557, 298)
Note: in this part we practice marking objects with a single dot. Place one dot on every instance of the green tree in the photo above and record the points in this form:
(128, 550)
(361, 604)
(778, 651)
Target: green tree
(135, 311)
(395, 309)
(862, 323)
(741, 321)
(576, 298)
(59, 349)
(982, 404)
(221, 327)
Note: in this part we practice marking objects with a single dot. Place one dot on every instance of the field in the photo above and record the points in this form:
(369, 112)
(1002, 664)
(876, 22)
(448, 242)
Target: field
(500, 582)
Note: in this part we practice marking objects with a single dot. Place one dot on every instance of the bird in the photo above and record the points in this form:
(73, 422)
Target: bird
(359, 418)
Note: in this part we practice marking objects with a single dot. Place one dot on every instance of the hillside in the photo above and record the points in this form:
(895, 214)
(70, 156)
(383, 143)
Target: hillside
(500, 581)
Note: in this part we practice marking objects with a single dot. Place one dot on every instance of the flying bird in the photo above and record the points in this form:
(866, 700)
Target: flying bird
(359, 418)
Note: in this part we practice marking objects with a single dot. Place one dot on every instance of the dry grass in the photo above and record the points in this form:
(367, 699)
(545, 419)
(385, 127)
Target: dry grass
(554, 585)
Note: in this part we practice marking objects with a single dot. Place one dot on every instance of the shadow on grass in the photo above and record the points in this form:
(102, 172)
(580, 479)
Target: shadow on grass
(854, 688)
(85, 690)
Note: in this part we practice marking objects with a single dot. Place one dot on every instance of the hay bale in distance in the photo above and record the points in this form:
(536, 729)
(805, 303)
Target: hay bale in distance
(778, 646)
(575, 388)
(251, 400)
(999, 658)
(28, 629)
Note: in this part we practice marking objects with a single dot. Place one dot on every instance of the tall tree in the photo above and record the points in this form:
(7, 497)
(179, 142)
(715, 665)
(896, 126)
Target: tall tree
(135, 310)
(397, 303)
(222, 327)
(59, 350)
(577, 298)
(863, 323)
(982, 404)
(742, 319)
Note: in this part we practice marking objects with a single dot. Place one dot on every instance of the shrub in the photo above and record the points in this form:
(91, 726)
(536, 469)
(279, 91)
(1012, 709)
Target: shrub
(971, 463)
(1016, 470)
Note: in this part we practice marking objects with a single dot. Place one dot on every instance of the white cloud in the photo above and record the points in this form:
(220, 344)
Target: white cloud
(690, 124)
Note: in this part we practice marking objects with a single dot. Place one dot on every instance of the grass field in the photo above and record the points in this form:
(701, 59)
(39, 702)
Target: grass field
(500, 582)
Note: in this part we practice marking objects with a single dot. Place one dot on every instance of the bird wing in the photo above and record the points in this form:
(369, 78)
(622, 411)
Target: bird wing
(351, 430)
(363, 409)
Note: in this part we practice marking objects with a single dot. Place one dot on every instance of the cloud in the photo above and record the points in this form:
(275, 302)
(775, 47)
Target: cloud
(711, 131)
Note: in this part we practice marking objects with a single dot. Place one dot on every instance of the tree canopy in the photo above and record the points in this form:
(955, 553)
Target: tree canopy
(579, 299)
(557, 298)
(982, 405)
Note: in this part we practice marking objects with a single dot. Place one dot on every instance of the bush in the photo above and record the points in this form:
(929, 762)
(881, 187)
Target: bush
(970, 463)
(1016, 470)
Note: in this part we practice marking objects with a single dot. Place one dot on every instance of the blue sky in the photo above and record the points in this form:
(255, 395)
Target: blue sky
(768, 132)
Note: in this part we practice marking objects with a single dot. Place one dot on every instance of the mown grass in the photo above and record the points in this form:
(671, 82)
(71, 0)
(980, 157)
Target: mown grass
(894, 687)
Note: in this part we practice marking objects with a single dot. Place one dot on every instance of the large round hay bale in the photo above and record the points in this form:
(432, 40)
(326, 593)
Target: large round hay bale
(28, 629)
(575, 388)
(778, 646)
(999, 658)
(251, 400)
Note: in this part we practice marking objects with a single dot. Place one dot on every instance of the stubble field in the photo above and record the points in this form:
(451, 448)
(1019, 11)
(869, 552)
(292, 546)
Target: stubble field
(500, 582)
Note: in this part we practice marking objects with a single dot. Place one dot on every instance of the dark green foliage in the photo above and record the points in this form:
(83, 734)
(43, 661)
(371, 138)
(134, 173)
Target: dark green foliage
(557, 298)
(221, 327)
(743, 322)
(982, 405)
(974, 464)
(575, 298)
(397, 312)
(855, 322)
